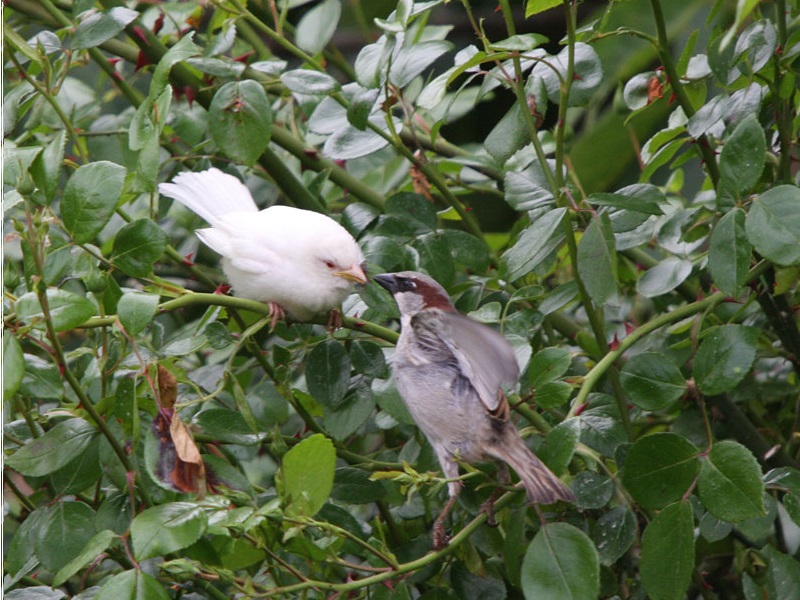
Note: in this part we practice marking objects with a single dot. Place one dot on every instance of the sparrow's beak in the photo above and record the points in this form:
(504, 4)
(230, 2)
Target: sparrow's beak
(355, 274)
(388, 281)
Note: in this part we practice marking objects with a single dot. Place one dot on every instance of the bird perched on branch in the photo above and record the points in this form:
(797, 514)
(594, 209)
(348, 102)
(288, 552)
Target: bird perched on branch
(450, 371)
(300, 262)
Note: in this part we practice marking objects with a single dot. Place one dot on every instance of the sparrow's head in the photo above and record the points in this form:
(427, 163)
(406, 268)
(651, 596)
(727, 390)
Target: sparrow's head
(414, 292)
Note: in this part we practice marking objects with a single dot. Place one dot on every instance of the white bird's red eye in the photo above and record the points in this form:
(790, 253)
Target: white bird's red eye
(330, 264)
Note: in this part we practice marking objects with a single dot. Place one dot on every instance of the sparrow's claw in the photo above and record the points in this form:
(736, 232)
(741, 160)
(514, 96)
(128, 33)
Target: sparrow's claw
(488, 508)
(334, 320)
(276, 312)
(440, 537)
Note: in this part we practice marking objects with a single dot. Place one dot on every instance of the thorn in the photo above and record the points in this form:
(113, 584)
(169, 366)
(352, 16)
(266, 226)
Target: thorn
(243, 58)
(142, 61)
(581, 408)
(190, 94)
(139, 33)
(159, 23)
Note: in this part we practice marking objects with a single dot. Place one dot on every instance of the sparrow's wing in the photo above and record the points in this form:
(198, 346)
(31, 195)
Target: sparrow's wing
(480, 354)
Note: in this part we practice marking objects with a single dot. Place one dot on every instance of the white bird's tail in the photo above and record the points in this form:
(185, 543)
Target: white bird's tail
(542, 486)
(211, 194)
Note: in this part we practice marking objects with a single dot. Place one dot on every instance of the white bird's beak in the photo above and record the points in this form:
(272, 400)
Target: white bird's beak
(355, 274)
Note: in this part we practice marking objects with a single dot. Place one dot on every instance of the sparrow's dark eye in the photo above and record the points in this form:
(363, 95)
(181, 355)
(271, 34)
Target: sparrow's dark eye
(404, 284)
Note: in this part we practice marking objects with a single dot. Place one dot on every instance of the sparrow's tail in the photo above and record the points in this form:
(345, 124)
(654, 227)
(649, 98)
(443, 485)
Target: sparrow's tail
(542, 486)
(211, 194)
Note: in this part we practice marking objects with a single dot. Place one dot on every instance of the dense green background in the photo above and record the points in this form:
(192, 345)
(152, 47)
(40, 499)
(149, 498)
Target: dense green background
(613, 184)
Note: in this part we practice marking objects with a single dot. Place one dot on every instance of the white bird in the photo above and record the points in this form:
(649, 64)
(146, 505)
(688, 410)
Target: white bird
(450, 371)
(300, 262)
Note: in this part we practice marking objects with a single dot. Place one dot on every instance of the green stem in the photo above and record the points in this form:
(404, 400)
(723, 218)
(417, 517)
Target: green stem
(401, 569)
(637, 334)
(61, 362)
(77, 142)
(663, 49)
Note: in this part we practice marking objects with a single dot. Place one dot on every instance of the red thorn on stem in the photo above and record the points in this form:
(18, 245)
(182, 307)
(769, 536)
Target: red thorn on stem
(139, 33)
(142, 60)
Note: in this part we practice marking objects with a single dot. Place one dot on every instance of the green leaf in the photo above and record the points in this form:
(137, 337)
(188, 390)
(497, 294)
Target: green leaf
(508, 136)
(664, 277)
(54, 449)
(729, 253)
(470, 586)
(354, 486)
(528, 189)
(41, 379)
(561, 562)
(348, 416)
(412, 60)
(724, 358)
(63, 533)
(328, 372)
(435, 258)
(548, 365)
(316, 28)
(414, 210)
(730, 483)
(350, 142)
(466, 249)
(668, 553)
(783, 573)
(559, 446)
(519, 43)
(597, 260)
(137, 246)
(226, 426)
(368, 359)
(773, 225)
(46, 167)
(743, 156)
(240, 120)
(307, 475)
(652, 381)
(535, 244)
(311, 83)
(36, 592)
(67, 310)
(13, 365)
(132, 585)
(644, 199)
(552, 394)
(93, 548)
(167, 528)
(100, 27)
(136, 311)
(659, 469)
(534, 7)
(90, 199)
(79, 474)
(587, 74)
(613, 534)
(360, 108)
(592, 490)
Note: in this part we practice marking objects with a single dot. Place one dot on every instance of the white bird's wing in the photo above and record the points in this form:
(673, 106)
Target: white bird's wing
(211, 194)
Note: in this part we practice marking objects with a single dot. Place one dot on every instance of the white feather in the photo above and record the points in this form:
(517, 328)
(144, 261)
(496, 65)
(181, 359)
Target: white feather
(291, 257)
(211, 194)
